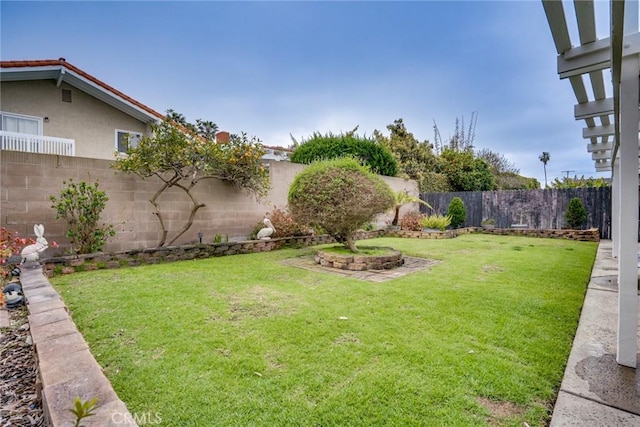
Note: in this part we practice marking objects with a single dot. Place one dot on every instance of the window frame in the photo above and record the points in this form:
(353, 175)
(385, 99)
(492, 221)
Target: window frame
(36, 119)
(130, 132)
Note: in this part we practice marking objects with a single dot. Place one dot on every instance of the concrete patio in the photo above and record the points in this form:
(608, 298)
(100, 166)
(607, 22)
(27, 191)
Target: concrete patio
(596, 390)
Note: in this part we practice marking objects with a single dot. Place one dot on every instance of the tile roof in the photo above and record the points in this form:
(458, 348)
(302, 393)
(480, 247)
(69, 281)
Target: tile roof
(62, 62)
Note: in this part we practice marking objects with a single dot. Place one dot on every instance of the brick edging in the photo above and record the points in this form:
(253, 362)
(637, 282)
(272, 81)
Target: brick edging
(96, 261)
(66, 367)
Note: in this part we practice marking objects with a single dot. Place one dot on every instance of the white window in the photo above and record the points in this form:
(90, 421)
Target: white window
(19, 123)
(126, 139)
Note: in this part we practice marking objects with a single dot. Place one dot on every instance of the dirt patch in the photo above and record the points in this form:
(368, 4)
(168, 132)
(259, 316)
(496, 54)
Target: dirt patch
(273, 361)
(259, 302)
(347, 338)
(491, 269)
(501, 410)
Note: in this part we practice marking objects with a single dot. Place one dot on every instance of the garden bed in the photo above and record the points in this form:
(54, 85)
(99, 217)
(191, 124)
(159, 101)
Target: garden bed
(360, 262)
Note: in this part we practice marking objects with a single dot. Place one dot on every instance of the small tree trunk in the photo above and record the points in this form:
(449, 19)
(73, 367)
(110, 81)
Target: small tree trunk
(396, 216)
(350, 243)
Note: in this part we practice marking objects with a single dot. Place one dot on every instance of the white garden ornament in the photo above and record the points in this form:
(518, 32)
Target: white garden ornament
(267, 232)
(31, 253)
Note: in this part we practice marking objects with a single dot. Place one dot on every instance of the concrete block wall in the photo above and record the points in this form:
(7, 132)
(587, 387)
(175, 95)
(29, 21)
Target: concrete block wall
(27, 180)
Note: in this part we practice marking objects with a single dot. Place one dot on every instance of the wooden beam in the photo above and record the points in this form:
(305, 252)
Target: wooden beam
(592, 109)
(558, 24)
(601, 155)
(586, 17)
(605, 130)
(592, 148)
(594, 56)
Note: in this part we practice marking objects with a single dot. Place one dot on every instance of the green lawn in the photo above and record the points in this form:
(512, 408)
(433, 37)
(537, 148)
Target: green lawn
(481, 338)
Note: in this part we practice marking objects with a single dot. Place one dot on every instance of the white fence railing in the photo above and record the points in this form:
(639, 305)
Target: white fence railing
(13, 141)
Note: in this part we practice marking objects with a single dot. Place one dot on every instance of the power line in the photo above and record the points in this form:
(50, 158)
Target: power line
(567, 172)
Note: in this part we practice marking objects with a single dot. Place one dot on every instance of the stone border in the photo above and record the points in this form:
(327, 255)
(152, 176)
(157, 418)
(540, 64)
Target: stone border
(97, 261)
(590, 235)
(411, 265)
(356, 262)
(66, 367)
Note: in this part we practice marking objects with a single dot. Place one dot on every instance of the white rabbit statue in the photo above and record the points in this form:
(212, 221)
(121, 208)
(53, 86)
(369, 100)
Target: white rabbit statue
(31, 253)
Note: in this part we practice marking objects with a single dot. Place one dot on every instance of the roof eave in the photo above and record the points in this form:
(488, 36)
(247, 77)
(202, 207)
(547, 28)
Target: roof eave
(60, 73)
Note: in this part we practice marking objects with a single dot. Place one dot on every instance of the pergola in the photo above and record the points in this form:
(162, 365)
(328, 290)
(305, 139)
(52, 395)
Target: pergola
(612, 125)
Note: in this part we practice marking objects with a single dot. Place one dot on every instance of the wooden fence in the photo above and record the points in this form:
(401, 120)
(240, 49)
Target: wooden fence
(540, 209)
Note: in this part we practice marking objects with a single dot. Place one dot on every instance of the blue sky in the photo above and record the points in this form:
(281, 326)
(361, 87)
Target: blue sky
(279, 68)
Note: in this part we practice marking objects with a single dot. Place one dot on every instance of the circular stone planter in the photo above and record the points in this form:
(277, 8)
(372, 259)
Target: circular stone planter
(360, 262)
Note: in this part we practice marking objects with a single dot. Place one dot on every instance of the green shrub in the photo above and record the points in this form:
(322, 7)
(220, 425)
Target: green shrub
(437, 222)
(340, 196)
(576, 214)
(80, 204)
(330, 146)
(432, 182)
(411, 221)
(457, 212)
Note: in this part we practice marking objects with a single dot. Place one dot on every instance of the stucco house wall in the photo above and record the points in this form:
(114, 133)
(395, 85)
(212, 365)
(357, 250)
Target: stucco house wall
(27, 180)
(89, 121)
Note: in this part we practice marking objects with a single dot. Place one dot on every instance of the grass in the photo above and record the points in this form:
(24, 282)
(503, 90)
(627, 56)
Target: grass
(481, 338)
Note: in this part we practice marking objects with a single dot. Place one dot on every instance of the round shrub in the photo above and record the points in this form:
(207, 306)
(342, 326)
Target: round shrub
(576, 214)
(339, 196)
(330, 146)
(411, 221)
(457, 212)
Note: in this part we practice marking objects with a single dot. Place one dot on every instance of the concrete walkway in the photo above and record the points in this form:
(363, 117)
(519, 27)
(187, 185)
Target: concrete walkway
(596, 391)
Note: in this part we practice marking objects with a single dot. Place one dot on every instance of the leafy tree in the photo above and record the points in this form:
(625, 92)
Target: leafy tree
(581, 182)
(330, 146)
(340, 196)
(80, 204)
(457, 212)
(544, 158)
(576, 214)
(498, 163)
(505, 173)
(415, 158)
(182, 154)
(433, 182)
(465, 172)
(513, 181)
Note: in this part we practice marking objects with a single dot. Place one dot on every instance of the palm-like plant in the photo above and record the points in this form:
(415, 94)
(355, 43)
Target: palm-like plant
(402, 197)
(544, 158)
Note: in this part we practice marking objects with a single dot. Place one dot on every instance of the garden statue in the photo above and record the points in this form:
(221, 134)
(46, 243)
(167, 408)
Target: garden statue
(31, 253)
(267, 232)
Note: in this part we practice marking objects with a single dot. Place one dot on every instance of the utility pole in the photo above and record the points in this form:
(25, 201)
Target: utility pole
(567, 172)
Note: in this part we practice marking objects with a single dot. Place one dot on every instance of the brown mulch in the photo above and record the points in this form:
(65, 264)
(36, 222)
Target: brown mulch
(18, 372)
